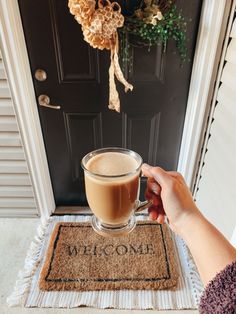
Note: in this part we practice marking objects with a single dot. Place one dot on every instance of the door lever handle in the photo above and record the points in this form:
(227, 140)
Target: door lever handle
(44, 101)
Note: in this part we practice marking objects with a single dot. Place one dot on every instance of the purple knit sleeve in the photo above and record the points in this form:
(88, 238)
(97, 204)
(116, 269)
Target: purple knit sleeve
(220, 294)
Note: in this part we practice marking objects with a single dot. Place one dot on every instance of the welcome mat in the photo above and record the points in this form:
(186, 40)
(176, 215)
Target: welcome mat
(28, 293)
(79, 259)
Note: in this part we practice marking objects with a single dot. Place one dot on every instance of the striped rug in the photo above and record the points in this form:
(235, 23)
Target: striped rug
(27, 291)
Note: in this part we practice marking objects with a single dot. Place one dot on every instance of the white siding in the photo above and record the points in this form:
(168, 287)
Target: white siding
(16, 192)
(216, 192)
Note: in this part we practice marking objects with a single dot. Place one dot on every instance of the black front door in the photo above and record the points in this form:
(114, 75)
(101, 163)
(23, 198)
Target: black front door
(151, 118)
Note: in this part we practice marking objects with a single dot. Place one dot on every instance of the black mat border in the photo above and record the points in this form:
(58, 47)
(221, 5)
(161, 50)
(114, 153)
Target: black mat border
(106, 279)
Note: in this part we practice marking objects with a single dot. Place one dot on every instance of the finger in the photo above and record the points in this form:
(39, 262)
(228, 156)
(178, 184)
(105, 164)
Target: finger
(156, 200)
(173, 173)
(160, 219)
(176, 175)
(153, 186)
(160, 175)
(161, 210)
(146, 170)
(153, 214)
(151, 196)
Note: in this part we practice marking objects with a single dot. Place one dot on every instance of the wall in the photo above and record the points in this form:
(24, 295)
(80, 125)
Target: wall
(16, 192)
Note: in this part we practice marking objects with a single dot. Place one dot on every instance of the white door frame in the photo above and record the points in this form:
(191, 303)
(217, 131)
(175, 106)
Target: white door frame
(209, 47)
(17, 66)
(16, 61)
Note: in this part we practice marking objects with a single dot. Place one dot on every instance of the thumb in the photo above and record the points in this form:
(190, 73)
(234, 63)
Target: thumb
(159, 174)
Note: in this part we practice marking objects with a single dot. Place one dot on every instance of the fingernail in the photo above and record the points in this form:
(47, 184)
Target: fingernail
(154, 190)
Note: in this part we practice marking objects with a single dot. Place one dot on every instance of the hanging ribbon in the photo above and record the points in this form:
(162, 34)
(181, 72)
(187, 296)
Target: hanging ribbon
(99, 28)
(115, 70)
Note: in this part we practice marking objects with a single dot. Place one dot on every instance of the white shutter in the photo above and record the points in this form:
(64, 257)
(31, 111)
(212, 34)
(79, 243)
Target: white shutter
(216, 192)
(16, 192)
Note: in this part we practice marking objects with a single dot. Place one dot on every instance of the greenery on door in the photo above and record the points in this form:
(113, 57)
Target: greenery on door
(151, 22)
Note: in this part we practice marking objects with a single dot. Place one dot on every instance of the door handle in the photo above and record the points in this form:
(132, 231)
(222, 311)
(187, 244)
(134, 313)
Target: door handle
(44, 101)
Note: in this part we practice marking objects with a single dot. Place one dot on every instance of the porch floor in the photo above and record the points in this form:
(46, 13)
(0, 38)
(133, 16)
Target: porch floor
(16, 236)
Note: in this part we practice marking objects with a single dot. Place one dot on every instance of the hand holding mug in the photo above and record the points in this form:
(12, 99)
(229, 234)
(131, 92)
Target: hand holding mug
(170, 195)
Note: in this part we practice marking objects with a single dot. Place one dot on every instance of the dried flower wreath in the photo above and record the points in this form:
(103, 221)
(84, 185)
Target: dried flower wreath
(152, 22)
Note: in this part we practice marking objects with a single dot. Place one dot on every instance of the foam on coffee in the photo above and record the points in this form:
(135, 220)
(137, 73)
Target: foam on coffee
(112, 163)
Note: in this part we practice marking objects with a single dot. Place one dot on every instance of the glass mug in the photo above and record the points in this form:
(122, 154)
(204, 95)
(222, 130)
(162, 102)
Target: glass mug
(113, 198)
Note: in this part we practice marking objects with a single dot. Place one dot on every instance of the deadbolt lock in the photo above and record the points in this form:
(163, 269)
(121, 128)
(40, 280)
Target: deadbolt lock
(40, 75)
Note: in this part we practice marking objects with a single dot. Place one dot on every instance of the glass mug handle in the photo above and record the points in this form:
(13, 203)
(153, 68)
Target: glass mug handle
(140, 206)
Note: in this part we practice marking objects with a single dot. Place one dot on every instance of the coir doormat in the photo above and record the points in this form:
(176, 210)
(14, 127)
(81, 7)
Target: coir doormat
(79, 259)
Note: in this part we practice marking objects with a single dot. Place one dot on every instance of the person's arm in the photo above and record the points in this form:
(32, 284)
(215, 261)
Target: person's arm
(171, 196)
(210, 249)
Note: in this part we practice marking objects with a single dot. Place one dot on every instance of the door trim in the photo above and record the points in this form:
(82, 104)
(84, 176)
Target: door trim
(18, 71)
(17, 66)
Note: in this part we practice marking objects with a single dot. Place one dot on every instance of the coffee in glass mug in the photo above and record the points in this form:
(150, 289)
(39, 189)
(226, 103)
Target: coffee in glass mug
(112, 179)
